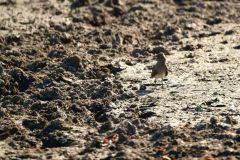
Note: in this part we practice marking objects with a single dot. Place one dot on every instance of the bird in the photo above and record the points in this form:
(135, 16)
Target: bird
(160, 69)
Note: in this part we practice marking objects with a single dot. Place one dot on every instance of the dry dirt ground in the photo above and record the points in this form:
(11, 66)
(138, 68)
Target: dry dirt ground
(74, 79)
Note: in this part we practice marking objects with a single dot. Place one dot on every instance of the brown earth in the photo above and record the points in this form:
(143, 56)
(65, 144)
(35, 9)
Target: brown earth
(74, 72)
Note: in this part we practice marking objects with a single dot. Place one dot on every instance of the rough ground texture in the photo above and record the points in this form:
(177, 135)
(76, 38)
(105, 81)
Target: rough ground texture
(75, 72)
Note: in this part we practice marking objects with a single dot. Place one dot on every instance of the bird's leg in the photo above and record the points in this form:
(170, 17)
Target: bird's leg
(155, 81)
(162, 83)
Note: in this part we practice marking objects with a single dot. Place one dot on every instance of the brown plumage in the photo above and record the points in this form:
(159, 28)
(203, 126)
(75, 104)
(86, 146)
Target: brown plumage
(160, 69)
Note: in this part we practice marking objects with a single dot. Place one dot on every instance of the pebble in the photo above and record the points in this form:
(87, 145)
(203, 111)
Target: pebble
(214, 120)
(131, 128)
(72, 63)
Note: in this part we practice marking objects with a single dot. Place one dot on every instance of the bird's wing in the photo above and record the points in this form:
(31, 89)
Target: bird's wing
(154, 72)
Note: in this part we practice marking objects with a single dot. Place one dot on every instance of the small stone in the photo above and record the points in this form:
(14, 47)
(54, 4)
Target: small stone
(130, 62)
(79, 3)
(36, 65)
(77, 108)
(237, 138)
(111, 3)
(101, 117)
(188, 47)
(66, 38)
(131, 128)
(94, 51)
(117, 11)
(238, 131)
(33, 124)
(169, 30)
(200, 126)
(228, 142)
(2, 112)
(229, 32)
(213, 120)
(147, 114)
(175, 37)
(139, 53)
(107, 126)
(143, 87)
(189, 55)
(14, 39)
(49, 94)
(21, 78)
(199, 108)
(56, 54)
(134, 88)
(72, 63)
(53, 39)
(224, 42)
(230, 120)
(137, 122)
(237, 47)
(61, 27)
(56, 139)
(214, 21)
(103, 46)
(212, 100)
(56, 124)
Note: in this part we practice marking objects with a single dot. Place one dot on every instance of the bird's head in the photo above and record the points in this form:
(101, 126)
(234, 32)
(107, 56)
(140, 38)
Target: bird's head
(161, 57)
